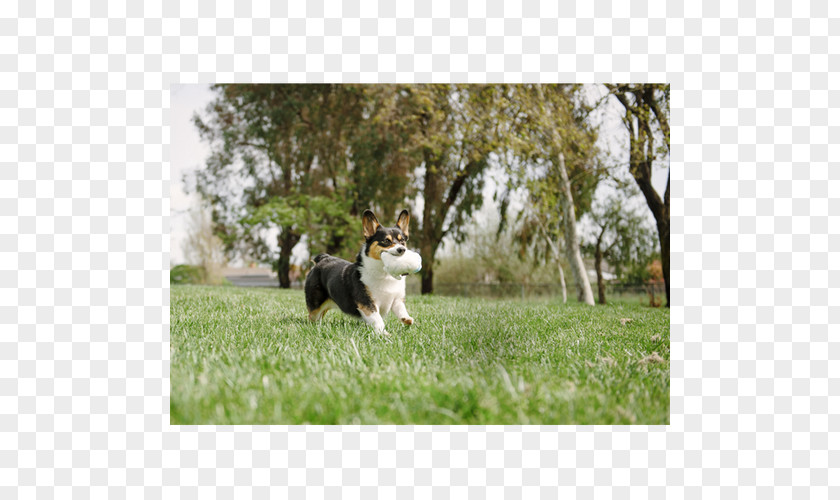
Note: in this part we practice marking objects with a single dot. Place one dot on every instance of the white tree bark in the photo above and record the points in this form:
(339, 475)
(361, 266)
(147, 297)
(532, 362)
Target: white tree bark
(567, 204)
(562, 280)
(572, 245)
(553, 245)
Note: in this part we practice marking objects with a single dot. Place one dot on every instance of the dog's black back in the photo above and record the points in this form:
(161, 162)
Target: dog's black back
(339, 280)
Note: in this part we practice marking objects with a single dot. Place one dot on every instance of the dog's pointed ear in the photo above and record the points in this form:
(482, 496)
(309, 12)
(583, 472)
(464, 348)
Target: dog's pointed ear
(402, 221)
(369, 223)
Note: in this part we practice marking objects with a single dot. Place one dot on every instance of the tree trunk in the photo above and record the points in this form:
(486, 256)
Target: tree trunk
(427, 253)
(665, 240)
(553, 245)
(599, 258)
(664, 228)
(427, 244)
(572, 246)
(562, 280)
(426, 283)
(602, 299)
(661, 211)
(286, 240)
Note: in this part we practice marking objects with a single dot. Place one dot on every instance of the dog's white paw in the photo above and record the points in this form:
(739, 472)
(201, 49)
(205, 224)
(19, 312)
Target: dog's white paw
(408, 320)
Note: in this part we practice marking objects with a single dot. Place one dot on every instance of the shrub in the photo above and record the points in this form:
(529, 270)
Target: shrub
(185, 274)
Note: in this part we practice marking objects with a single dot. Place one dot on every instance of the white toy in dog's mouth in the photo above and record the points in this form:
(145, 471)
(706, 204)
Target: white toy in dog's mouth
(402, 265)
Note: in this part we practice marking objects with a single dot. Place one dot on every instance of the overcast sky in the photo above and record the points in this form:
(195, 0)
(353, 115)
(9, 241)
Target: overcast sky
(188, 152)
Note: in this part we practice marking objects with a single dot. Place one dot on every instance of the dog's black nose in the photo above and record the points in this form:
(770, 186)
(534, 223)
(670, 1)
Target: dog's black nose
(400, 251)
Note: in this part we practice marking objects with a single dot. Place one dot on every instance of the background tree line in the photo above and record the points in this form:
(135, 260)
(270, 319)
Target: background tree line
(304, 161)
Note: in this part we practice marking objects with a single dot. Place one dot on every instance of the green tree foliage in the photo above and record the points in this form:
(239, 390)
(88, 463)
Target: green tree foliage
(551, 144)
(455, 130)
(326, 222)
(300, 159)
(307, 160)
(544, 121)
(619, 236)
(261, 153)
(382, 154)
(638, 270)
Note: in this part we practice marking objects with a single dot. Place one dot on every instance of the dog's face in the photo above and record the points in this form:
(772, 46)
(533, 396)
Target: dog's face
(380, 239)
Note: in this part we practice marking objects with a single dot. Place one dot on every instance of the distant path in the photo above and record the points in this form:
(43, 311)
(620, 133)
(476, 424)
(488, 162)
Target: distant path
(258, 280)
(250, 276)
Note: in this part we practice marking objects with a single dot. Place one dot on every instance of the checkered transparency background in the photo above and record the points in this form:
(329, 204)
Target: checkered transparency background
(84, 246)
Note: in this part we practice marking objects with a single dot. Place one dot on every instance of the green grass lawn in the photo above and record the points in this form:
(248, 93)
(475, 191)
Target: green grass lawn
(250, 356)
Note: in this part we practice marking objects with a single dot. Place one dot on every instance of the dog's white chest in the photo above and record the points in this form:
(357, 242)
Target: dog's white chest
(384, 289)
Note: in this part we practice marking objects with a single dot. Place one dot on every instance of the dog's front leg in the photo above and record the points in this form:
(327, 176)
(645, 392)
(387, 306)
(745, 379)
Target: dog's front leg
(399, 309)
(375, 320)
